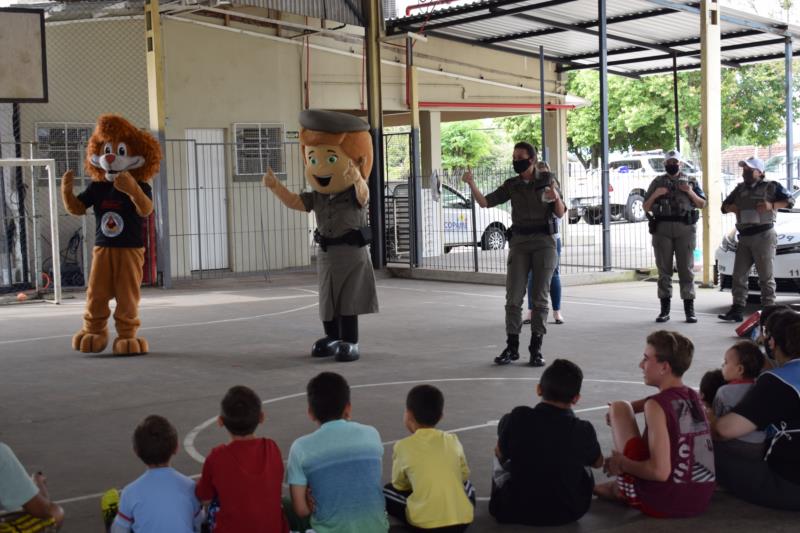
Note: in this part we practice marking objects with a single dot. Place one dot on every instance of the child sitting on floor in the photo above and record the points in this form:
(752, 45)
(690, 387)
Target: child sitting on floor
(741, 366)
(244, 476)
(430, 490)
(162, 499)
(546, 451)
(334, 473)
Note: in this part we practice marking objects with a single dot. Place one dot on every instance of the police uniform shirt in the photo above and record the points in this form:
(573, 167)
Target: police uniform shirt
(746, 199)
(117, 224)
(336, 213)
(527, 207)
(678, 201)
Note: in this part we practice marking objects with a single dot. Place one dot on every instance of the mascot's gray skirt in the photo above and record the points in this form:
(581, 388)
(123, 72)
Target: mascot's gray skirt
(346, 282)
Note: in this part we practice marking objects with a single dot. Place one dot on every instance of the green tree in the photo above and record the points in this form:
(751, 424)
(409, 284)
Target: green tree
(641, 111)
(469, 144)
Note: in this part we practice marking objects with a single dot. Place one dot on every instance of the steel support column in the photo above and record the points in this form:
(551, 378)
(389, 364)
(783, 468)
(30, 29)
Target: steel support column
(789, 115)
(544, 155)
(603, 64)
(374, 19)
(415, 179)
(157, 107)
(676, 108)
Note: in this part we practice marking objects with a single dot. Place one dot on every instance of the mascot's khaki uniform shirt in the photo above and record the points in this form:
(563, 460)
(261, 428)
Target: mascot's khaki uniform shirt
(675, 237)
(346, 279)
(756, 245)
(534, 253)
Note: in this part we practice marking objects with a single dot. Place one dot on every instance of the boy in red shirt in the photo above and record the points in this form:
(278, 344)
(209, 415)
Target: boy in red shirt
(245, 475)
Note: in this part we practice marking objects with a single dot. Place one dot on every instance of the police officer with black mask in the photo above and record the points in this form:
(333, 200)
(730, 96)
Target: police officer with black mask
(532, 246)
(672, 202)
(755, 202)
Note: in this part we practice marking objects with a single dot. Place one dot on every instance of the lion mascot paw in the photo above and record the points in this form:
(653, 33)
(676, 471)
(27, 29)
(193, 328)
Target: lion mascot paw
(120, 159)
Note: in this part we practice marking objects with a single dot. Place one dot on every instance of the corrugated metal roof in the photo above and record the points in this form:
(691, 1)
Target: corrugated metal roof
(642, 34)
(345, 11)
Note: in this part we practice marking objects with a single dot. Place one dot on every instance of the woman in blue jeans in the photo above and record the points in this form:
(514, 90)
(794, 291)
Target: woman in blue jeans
(555, 287)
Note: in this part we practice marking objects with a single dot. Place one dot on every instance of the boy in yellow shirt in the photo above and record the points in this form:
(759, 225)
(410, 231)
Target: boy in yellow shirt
(430, 488)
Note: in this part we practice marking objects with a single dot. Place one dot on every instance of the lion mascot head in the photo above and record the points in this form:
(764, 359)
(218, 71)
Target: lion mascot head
(118, 146)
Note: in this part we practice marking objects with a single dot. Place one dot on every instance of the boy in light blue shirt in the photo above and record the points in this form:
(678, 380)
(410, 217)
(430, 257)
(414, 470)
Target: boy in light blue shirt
(162, 499)
(334, 474)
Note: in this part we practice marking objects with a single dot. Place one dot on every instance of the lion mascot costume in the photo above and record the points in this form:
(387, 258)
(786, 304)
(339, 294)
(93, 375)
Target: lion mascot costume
(120, 159)
(337, 156)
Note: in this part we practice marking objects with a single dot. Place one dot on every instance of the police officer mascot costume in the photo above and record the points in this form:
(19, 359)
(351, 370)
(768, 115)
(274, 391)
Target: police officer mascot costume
(672, 204)
(535, 200)
(755, 202)
(337, 156)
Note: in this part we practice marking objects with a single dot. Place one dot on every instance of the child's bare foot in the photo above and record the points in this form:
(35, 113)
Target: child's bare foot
(608, 491)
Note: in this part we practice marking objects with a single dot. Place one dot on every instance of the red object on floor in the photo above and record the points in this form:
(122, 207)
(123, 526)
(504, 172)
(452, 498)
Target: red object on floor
(749, 323)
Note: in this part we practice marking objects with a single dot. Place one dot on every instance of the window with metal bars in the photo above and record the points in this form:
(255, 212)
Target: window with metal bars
(258, 147)
(64, 142)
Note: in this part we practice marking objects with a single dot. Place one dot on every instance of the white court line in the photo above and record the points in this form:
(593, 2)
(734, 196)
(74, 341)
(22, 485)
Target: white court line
(502, 297)
(181, 325)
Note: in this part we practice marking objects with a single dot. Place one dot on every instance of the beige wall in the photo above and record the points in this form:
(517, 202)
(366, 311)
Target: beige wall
(214, 79)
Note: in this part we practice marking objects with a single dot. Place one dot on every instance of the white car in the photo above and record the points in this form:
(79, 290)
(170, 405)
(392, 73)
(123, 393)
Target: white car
(491, 223)
(787, 256)
(456, 221)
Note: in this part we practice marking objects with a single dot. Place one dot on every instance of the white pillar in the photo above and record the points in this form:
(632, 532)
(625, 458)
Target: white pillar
(711, 124)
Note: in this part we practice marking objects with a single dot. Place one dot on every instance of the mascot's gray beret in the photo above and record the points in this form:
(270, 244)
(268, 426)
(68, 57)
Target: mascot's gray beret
(331, 121)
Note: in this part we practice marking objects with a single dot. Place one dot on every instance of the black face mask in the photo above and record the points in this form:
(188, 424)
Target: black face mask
(521, 165)
(672, 169)
(748, 176)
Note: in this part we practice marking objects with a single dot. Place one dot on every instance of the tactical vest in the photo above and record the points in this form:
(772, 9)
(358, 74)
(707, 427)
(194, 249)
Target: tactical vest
(676, 203)
(789, 374)
(747, 198)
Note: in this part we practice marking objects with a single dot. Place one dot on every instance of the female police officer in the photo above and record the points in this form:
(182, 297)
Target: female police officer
(532, 247)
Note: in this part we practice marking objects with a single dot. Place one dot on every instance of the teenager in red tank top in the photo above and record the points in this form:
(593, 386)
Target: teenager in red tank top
(668, 470)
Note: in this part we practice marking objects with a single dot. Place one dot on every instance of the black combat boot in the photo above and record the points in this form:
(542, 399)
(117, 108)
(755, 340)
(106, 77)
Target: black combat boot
(663, 316)
(734, 314)
(688, 308)
(510, 353)
(535, 350)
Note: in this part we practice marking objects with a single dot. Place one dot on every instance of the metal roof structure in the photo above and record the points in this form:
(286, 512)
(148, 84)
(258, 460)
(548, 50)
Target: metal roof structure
(644, 36)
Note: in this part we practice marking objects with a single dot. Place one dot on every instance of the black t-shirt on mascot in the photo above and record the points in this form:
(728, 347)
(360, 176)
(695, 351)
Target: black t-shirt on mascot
(117, 223)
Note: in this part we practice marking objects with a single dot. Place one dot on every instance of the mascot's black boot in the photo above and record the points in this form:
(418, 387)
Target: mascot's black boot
(327, 345)
(535, 350)
(347, 350)
(511, 352)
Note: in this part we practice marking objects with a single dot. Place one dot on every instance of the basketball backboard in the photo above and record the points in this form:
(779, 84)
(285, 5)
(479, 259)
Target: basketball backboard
(23, 59)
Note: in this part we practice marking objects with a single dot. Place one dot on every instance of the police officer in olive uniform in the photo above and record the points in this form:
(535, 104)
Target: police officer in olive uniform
(755, 202)
(671, 203)
(532, 247)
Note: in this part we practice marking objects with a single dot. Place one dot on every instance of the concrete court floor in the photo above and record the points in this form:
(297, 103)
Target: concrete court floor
(72, 415)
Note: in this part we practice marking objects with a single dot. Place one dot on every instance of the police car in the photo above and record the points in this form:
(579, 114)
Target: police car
(787, 256)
